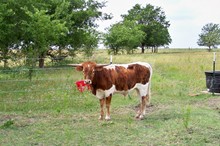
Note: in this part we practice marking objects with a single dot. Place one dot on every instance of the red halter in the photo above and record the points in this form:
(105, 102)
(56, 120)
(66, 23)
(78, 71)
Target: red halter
(81, 85)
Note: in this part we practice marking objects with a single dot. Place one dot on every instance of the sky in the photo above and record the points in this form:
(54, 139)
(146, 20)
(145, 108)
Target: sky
(187, 17)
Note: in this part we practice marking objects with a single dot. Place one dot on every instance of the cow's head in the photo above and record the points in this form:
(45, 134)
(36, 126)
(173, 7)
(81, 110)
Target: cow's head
(88, 68)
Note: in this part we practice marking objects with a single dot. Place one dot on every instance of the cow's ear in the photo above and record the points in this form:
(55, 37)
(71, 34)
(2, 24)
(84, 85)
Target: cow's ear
(131, 67)
(98, 68)
(79, 68)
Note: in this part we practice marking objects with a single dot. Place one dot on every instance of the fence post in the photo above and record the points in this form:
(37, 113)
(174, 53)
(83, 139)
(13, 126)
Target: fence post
(30, 73)
(213, 75)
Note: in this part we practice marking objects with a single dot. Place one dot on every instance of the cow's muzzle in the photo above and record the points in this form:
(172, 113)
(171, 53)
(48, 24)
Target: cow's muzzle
(88, 81)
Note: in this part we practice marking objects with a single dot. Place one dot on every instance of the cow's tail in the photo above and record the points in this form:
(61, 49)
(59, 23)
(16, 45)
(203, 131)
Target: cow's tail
(149, 85)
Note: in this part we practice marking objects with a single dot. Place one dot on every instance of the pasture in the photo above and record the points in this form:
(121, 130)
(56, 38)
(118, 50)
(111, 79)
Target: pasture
(49, 110)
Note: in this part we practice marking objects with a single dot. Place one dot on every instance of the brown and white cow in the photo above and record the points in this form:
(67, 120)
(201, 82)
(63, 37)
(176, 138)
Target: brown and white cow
(117, 78)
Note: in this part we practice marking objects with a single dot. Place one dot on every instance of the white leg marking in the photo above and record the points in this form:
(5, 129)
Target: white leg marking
(100, 117)
(107, 117)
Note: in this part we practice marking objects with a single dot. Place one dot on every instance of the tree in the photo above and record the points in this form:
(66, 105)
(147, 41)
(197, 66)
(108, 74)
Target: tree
(80, 17)
(210, 36)
(156, 35)
(42, 32)
(9, 30)
(153, 23)
(37, 24)
(124, 35)
(16, 19)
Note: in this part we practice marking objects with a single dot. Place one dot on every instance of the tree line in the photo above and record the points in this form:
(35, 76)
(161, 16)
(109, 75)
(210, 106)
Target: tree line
(144, 27)
(34, 26)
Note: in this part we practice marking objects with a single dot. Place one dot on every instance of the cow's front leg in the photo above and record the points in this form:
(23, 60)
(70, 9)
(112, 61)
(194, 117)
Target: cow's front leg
(108, 104)
(102, 102)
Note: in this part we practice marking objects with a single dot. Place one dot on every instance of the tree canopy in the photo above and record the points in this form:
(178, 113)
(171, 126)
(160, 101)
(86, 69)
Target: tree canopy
(37, 24)
(152, 23)
(210, 36)
(124, 35)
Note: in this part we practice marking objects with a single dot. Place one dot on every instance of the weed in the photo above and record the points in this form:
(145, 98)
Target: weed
(186, 116)
(8, 124)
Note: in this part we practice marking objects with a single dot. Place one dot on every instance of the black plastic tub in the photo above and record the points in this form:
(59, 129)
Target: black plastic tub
(213, 81)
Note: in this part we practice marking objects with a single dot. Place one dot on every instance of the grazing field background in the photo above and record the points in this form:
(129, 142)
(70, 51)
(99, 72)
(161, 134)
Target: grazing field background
(48, 110)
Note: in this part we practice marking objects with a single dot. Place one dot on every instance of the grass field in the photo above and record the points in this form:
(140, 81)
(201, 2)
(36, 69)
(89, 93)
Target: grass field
(50, 111)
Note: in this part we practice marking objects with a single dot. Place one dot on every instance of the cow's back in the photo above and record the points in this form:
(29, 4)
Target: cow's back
(121, 78)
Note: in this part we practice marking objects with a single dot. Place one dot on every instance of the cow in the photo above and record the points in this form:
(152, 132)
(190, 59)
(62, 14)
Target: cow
(105, 80)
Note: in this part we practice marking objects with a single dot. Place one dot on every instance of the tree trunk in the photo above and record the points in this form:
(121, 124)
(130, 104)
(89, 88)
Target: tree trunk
(60, 52)
(5, 63)
(142, 48)
(152, 49)
(41, 61)
(209, 49)
(115, 50)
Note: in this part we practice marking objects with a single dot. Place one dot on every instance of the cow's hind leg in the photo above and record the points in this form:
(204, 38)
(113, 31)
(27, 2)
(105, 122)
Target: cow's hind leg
(142, 108)
(108, 104)
(146, 104)
(102, 103)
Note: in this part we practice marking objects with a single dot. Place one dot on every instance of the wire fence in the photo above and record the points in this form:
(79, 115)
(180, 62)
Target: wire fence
(27, 80)
(52, 84)
(28, 90)
(19, 77)
(28, 63)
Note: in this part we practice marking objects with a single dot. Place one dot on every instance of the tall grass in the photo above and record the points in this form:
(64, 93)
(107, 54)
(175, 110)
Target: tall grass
(50, 111)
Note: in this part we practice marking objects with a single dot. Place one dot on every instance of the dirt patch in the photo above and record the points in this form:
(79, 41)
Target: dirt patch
(151, 108)
(214, 103)
(18, 120)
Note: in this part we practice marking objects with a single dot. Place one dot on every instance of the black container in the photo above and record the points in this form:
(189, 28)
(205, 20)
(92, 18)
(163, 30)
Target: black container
(213, 81)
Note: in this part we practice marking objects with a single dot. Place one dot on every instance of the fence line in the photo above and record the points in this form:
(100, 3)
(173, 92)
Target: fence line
(28, 90)
(33, 80)
(36, 58)
(35, 69)
(172, 52)
(32, 101)
(27, 80)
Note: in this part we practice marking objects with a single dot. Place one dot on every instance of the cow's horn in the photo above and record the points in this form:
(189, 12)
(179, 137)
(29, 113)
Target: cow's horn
(75, 65)
(101, 65)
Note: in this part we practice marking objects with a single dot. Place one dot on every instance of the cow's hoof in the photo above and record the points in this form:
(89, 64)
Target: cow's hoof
(100, 118)
(139, 117)
(107, 118)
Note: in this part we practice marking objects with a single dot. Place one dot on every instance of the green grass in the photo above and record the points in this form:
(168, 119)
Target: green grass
(50, 111)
